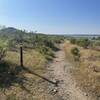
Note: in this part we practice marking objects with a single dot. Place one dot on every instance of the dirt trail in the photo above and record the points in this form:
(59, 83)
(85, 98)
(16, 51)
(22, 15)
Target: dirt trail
(60, 70)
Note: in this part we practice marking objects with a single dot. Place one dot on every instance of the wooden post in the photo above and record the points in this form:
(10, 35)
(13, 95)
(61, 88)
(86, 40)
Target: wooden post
(21, 56)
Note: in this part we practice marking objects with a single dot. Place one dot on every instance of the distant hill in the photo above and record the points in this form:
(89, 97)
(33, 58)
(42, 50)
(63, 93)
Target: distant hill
(11, 32)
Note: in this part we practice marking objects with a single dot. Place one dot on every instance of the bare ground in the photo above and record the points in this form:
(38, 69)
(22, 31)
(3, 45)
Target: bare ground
(60, 70)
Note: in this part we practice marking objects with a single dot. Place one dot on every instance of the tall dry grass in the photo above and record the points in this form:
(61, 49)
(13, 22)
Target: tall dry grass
(87, 71)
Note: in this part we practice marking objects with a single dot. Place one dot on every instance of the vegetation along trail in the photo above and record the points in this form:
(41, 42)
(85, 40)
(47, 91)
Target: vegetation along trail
(60, 70)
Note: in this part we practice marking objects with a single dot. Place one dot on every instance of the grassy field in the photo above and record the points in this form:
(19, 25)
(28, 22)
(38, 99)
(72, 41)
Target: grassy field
(87, 70)
(3, 43)
(25, 83)
(15, 82)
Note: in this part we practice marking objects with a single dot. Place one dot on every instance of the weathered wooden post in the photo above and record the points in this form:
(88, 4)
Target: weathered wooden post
(21, 55)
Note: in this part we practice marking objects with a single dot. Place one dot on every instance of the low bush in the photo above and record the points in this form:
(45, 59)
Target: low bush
(73, 40)
(76, 53)
(85, 43)
(2, 53)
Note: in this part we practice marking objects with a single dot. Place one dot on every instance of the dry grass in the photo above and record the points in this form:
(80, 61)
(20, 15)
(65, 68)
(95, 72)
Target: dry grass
(87, 71)
(26, 85)
(31, 58)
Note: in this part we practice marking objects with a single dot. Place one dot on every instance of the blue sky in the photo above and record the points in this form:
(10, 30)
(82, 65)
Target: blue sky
(52, 16)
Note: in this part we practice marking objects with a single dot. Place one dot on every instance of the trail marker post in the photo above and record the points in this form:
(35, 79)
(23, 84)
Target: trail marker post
(21, 55)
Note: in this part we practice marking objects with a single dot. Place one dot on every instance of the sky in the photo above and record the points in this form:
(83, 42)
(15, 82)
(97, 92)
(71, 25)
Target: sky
(52, 16)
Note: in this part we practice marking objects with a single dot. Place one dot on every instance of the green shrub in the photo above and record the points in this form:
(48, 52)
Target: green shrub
(85, 43)
(46, 51)
(2, 53)
(45, 44)
(76, 53)
(73, 40)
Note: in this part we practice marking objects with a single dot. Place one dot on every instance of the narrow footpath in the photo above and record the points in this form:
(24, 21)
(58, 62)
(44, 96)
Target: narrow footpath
(59, 69)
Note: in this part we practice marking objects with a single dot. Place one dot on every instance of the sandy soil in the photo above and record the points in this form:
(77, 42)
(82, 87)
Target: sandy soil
(60, 70)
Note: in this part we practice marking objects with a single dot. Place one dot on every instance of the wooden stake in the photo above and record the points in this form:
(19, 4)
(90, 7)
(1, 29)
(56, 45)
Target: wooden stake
(21, 56)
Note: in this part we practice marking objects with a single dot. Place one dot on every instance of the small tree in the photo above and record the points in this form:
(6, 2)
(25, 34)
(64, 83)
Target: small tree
(76, 53)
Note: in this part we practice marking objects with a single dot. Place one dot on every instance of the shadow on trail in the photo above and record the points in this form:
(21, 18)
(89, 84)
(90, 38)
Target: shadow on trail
(11, 74)
(46, 79)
